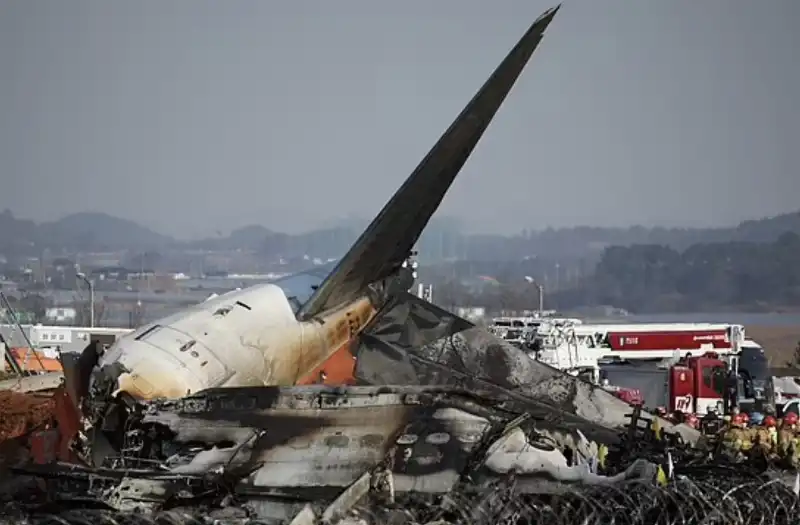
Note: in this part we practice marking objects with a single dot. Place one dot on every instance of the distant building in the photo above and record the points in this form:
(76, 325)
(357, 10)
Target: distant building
(111, 273)
(470, 313)
(60, 314)
(22, 316)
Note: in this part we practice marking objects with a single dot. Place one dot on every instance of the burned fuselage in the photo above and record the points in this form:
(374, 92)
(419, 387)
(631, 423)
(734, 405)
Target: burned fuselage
(306, 444)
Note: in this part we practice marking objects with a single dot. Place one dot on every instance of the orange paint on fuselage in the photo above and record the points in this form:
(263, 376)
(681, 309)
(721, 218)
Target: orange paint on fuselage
(338, 369)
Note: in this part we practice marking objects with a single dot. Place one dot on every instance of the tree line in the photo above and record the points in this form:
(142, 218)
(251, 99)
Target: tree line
(741, 275)
(651, 278)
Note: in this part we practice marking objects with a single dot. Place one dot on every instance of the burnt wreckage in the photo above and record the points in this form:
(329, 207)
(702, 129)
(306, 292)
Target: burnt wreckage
(275, 449)
(472, 409)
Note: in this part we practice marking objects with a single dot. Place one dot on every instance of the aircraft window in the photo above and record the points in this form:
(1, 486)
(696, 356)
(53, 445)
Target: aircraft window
(502, 323)
(337, 441)
(519, 324)
(225, 310)
(147, 332)
(372, 441)
(245, 306)
(469, 438)
(407, 439)
(438, 438)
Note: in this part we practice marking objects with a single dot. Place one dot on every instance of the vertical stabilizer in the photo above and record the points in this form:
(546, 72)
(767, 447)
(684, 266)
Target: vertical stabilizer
(391, 236)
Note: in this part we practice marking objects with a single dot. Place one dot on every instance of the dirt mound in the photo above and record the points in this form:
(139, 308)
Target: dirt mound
(22, 413)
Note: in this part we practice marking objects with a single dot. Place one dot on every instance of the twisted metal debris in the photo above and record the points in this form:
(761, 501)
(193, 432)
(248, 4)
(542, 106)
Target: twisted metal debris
(687, 501)
(709, 495)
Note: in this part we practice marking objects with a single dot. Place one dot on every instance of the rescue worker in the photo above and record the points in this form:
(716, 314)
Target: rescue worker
(771, 424)
(787, 448)
(692, 420)
(734, 437)
(762, 439)
(711, 424)
(731, 391)
(747, 433)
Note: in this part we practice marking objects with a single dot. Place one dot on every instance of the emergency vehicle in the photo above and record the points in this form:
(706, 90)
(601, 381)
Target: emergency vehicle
(791, 406)
(638, 341)
(586, 350)
(692, 386)
(519, 330)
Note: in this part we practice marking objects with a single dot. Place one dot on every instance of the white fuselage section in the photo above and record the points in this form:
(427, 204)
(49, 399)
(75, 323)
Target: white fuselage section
(247, 337)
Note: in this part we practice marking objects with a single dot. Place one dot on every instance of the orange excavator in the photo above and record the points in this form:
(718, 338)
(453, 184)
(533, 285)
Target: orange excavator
(38, 418)
(33, 361)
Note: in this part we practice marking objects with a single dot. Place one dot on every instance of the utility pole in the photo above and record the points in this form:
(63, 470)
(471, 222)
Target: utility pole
(540, 289)
(90, 284)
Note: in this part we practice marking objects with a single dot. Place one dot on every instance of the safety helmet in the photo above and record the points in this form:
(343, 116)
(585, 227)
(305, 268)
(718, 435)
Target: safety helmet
(770, 422)
(790, 419)
(756, 418)
(739, 420)
(745, 417)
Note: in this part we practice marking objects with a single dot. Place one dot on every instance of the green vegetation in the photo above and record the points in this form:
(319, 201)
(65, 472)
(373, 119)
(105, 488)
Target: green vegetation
(742, 275)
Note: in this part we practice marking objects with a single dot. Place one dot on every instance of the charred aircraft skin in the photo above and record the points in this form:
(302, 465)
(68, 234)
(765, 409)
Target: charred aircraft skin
(274, 335)
(418, 343)
(278, 444)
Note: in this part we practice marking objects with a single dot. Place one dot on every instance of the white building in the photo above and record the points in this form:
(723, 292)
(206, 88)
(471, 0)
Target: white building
(61, 314)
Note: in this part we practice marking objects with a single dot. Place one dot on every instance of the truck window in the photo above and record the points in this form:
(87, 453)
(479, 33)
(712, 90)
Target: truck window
(791, 406)
(714, 378)
(754, 361)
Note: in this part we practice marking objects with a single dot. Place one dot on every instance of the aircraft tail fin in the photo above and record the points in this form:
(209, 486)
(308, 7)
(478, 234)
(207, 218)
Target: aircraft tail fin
(391, 236)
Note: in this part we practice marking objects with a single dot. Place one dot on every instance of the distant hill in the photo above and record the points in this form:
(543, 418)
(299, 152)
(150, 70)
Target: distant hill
(90, 230)
(767, 229)
(248, 237)
(79, 231)
(442, 240)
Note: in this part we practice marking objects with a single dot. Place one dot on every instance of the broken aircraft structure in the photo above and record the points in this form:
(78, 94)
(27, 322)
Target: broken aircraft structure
(289, 393)
(311, 328)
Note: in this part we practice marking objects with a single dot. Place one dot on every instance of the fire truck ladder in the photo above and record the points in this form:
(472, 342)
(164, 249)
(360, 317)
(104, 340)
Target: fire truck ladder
(563, 349)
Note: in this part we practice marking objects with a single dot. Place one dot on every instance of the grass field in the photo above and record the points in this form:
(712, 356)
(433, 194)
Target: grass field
(779, 342)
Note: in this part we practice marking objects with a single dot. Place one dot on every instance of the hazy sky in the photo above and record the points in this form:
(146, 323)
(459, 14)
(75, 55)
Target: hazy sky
(197, 116)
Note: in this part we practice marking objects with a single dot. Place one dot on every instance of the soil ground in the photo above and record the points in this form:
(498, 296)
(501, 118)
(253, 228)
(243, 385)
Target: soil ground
(21, 413)
(779, 342)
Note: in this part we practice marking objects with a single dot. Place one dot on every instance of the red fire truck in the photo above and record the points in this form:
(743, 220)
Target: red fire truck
(692, 386)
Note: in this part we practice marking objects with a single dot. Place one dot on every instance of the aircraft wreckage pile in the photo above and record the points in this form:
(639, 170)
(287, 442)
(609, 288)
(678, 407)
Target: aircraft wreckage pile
(334, 455)
(243, 409)
(468, 449)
